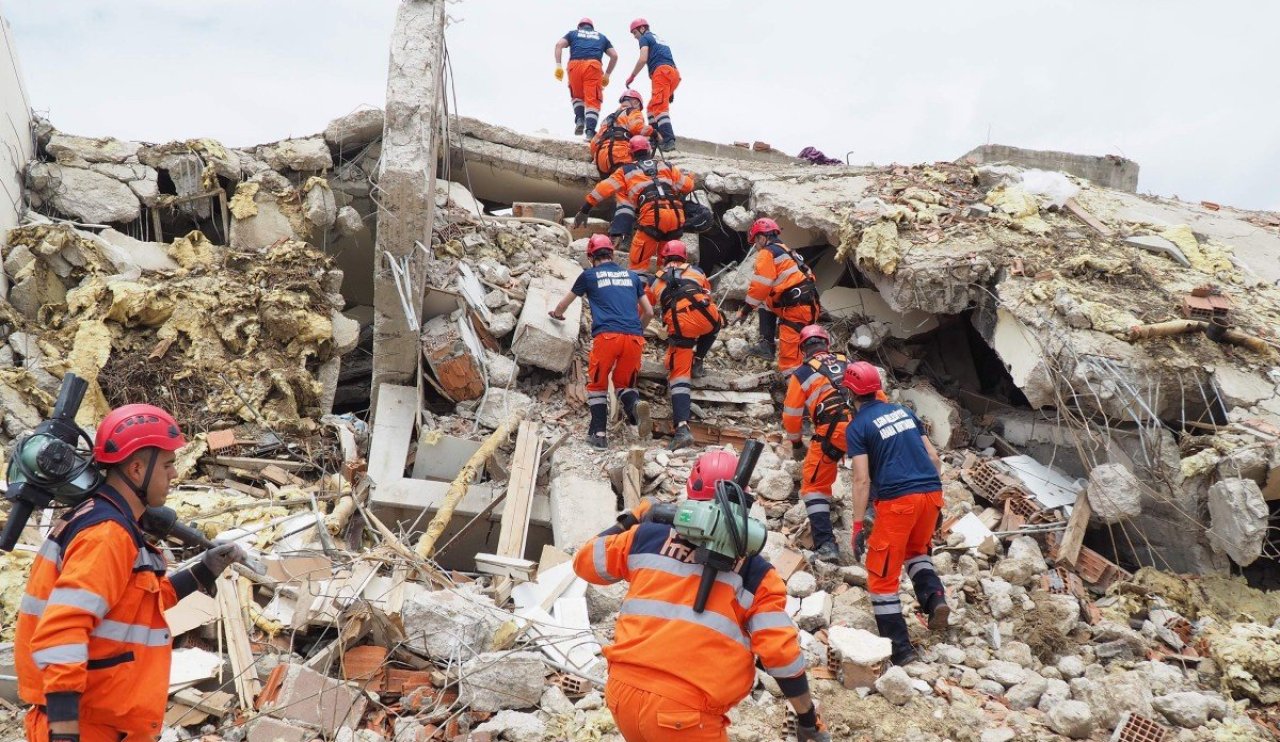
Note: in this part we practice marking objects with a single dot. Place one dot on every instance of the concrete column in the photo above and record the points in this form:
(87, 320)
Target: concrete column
(406, 183)
(15, 139)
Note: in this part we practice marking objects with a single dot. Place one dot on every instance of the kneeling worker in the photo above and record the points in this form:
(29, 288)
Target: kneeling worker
(683, 294)
(674, 673)
(895, 464)
(619, 312)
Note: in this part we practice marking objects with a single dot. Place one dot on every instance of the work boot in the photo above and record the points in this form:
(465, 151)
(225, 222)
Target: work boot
(905, 657)
(827, 552)
(666, 145)
(644, 422)
(589, 134)
(683, 437)
(577, 128)
(699, 369)
(597, 441)
(939, 612)
(763, 349)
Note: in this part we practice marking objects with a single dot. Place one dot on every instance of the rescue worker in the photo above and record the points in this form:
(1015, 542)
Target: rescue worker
(663, 79)
(92, 647)
(783, 285)
(683, 295)
(619, 312)
(817, 388)
(896, 467)
(586, 80)
(650, 201)
(674, 673)
(611, 147)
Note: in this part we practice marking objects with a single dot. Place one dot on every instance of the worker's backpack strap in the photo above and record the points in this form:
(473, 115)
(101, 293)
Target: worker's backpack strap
(656, 198)
(833, 407)
(680, 287)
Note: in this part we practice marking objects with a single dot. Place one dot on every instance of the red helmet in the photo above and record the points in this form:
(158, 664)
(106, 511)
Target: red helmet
(810, 332)
(631, 95)
(861, 378)
(711, 467)
(638, 23)
(763, 225)
(599, 243)
(586, 22)
(639, 143)
(128, 429)
(673, 249)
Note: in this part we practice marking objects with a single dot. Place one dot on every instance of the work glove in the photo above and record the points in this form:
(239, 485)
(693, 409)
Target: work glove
(604, 80)
(859, 541)
(217, 559)
(739, 316)
(559, 73)
(798, 451)
(580, 219)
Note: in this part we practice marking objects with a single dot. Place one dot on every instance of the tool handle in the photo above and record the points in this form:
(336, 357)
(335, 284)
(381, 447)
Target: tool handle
(704, 587)
(19, 512)
(751, 451)
(70, 395)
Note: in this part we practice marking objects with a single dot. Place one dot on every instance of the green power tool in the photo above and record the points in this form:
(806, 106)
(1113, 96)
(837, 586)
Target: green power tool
(721, 528)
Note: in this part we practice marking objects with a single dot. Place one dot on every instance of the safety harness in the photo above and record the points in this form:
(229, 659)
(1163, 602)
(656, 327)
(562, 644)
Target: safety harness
(833, 408)
(678, 287)
(610, 134)
(658, 196)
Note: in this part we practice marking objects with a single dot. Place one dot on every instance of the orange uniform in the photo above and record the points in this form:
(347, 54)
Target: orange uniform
(682, 294)
(649, 200)
(610, 147)
(784, 285)
(92, 644)
(814, 388)
(614, 356)
(674, 674)
(663, 82)
(585, 77)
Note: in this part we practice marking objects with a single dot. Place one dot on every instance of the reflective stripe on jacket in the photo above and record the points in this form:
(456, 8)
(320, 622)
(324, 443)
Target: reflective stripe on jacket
(705, 660)
(775, 272)
(806, 390)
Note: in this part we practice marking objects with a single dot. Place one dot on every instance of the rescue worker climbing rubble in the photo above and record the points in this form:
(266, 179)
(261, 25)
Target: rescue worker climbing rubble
(92, 648)
(611, 147)
(683, 295)
(783, 286)
(674, 673)
(664, 78)
(817, 388)
(619, 312)
(586, 79)
(650, 200)
(896, 466)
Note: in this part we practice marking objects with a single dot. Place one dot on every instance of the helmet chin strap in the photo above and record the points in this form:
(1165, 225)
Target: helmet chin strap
(141, 491)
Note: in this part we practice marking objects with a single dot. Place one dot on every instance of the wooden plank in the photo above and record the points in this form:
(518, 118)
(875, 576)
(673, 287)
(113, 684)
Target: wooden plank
(512, 568)
(392, 428)
(709, 395)
(279, 477)
(1073, 537)
(633, 478)
(519, 501)
(256, 465)
(197, 609)
(239, 651)
(1079, 212)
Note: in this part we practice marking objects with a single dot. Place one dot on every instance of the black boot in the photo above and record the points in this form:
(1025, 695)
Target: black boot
(930, 594)
(891, 625)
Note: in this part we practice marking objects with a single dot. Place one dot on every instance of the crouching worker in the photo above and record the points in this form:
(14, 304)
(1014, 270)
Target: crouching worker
(674, 673)
(92, 648)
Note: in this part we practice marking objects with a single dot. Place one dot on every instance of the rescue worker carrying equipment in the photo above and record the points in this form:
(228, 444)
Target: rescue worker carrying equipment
(650, 200)
(619, 313)
(674, 673)
(663, 79)
(611, 147)
(586, 80)
(93, 649)
(895, 466)
(817, 388)
(682, 294)
(784, 286)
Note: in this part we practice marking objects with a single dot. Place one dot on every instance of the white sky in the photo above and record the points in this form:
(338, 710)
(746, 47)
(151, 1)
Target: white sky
(1186, 88)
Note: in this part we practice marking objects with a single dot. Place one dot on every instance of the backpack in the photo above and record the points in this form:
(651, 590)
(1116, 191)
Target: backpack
(678, 287)
(659, 209)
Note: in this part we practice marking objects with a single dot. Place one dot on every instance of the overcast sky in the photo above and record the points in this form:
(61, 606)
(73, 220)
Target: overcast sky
(1186, 88)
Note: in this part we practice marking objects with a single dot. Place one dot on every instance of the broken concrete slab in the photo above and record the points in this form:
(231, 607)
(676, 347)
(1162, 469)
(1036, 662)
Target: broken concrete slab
(1238, 517)
(540, 340)
(355, 130)
(1239, 388)
(267, 729)
(310, 698)
(302, 155)
(448, 624)
(266, 225)
(843, 302)
(1158, 245)
(1114, 493)
(499, 404)
(940, 415)
(68, 149)
(127, 253)
(319, 205)
(84, 195)
(581, 507)
(502, 680)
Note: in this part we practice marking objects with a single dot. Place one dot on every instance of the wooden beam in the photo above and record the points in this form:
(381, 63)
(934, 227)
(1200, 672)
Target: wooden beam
(239, 651)
(1073, 537)
(393, 423)
(1079, 212)
(512, 568)
(633, 478)
(520, 486)
(708, 395)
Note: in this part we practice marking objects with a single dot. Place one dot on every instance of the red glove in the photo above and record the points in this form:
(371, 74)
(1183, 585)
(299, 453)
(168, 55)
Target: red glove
(859, 541)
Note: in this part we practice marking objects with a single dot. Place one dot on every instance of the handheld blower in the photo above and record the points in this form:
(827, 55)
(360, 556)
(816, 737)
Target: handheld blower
(722, 527)
(48, 466)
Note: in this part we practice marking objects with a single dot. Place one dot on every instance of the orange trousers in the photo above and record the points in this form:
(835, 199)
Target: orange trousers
(616, 356)
(662, 88)
(585, 83)
(819, 472)
(642, 716)
(37, 728)
(903, 529)
(789, 355)
(644, 249)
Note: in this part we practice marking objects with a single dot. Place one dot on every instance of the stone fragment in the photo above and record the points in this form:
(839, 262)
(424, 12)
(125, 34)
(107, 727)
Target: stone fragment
(1005, 673)
(738, 219)
(349, 222)
(854, 575)
(977, 210)
(84, 195)
(320, 207)
(444, 623)
(502, 680)
(1072, 719)
(355, 130)
(999, 596)
(1055, 692)
(1114, 493)
(896, 687)
(297, 154)
(815, 611)
(1113, 694)
(604, 600)
(499, 404)
(515, 726)
(310, 698)
(262, 226)
(346, 333)
(127, 253)
(1186, 709)
(1062, 610)
(540, 340)
(1238, 519)
(1071, 666)
(1026, 694)
(736, 348)
(555, 702)
(802, 584)
(68, 149)
(267, 729)
(502, 370)
(776, 485)
(1022, 562)
(501, 324)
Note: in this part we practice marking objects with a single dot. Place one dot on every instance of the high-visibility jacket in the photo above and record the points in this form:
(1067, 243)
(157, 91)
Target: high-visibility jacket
(611, 146)
(815, 388)
(661, 645)
(682, 293)
(636, 187)
(92, 642)
(781, 279)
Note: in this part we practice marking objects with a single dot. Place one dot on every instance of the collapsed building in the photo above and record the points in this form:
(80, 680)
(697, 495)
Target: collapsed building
(353, 328)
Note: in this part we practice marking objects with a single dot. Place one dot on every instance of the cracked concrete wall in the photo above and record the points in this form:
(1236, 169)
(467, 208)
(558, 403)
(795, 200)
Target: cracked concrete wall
(1109, 171)
(15, 136)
